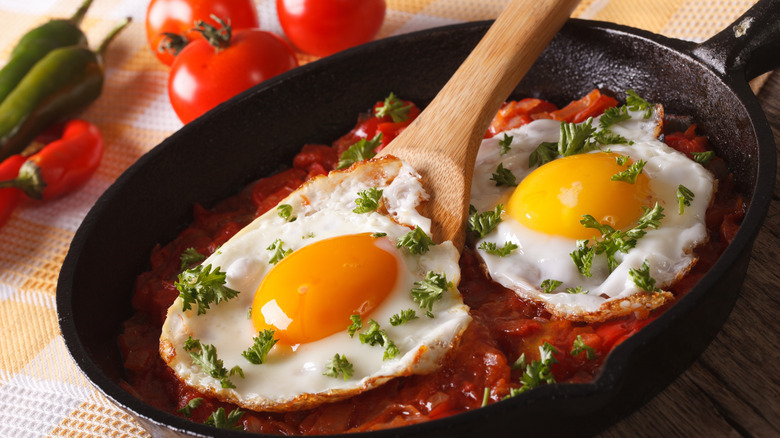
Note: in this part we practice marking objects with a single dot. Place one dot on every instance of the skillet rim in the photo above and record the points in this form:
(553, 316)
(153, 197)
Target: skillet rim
(615, 362)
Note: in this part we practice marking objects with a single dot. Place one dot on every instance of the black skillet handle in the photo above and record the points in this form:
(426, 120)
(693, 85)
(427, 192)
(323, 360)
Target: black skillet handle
(752, 43)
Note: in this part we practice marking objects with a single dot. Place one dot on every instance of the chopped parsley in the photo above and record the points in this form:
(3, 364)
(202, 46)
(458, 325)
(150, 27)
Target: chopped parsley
(579, 346)
(504, 177)
(642, 278)
(577, 290)
(285, 212)
(485, 397)
(362, 150)
(613, 240)
(219, 420)
(537, 372)
(505, 144)
(205, 357)
(192, 404)
(416, 241)
(543, 154)
(377, 235)
(339, 365)
(190, 256)
(278, 251)
(402, 317)
(367, 200)
(263, 343)
(492, 248)
(429, 290)
(684, 197)
(202, 286)
(621, 160)
(397, 109)
(549, 285)
(574, 138)
(635, 103)
(615, 114)
(356, 325)
(374, 335)
(605, 136)
(485, 222)
(629, 175)
(703, 158)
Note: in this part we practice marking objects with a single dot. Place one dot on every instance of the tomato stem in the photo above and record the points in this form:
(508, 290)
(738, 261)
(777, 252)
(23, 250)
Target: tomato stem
(219, 38)
(172, 43)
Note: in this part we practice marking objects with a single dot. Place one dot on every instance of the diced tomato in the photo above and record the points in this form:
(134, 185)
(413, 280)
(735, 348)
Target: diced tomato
(290, 179)
(592, 105)
(325, 157)
(514, 114)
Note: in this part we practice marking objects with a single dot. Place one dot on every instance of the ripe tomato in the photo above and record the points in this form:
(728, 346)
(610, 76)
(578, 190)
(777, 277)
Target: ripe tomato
(203, 76)
(324, 27)
(179, 16)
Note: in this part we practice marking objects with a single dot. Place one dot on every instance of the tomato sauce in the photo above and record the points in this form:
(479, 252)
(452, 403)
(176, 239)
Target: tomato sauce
(504, 326)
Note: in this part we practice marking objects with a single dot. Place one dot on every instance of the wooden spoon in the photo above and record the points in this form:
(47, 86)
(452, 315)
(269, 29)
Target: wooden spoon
(442, 143)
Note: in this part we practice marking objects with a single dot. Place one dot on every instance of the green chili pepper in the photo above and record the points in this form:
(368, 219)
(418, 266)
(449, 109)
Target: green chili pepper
(58, 87)
(38, 42)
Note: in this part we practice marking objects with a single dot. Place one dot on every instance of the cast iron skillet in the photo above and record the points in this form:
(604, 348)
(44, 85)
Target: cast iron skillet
(258, 132)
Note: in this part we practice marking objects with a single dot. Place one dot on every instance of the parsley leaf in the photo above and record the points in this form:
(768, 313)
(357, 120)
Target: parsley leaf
(485, 222)
(377, 235)
(684, 197)
(636, 103)
(579, 346)
(613, 115)
(629, 175)
(263, 343)
(537, 372)
(583, 257)
(278, 251)
(613, 240)
(505, 144)
(703, 158)
(549, 285)
(402, 317)
(356, 325)
(605, 136)
(621, 160)
(576, 290)
(205, 357)
(543, 154)
(219, 420)
(397, 109)
(504, 177)
(339, 365)
(375, 335)
(574, 138)
(492, 248)
(416, 241)
(203, 287)
(642, 278)
(362, 150)
(429, 290)
(285, 212)
(368, 200)
(190, 256)
(192, 404)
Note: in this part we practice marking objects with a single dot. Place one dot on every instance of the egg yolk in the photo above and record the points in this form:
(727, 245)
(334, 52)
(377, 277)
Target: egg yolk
(311, 293)
(553, 198)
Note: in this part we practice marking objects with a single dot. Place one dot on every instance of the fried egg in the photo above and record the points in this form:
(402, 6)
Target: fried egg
(338, 263)
(542, 217)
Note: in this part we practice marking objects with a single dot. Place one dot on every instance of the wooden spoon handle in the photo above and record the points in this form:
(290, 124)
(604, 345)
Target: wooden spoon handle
(442, 143)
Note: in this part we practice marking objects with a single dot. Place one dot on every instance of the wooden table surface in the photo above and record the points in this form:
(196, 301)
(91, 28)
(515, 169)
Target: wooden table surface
(733, 389)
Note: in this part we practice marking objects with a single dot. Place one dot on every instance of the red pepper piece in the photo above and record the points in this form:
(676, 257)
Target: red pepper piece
(10, 197)
(62, 165)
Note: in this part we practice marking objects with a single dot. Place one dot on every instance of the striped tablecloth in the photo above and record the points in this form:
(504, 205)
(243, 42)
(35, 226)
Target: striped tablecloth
(42, 393)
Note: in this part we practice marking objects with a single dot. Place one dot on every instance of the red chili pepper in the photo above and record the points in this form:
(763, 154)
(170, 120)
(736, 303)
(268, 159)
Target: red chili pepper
(62, 165)
(10, 197)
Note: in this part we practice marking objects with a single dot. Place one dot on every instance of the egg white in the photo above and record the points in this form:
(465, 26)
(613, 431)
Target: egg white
(292, 379)
(667, 250)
